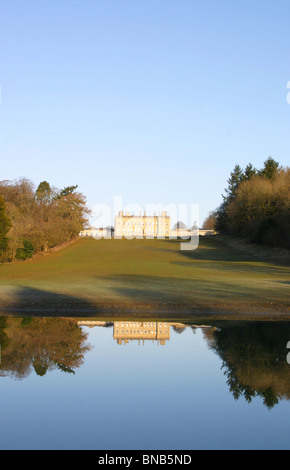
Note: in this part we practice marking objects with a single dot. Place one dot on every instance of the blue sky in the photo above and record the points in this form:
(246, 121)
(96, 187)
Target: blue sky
(154, 101)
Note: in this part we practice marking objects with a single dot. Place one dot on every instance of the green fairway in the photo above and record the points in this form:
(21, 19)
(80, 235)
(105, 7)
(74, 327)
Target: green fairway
(114, 275)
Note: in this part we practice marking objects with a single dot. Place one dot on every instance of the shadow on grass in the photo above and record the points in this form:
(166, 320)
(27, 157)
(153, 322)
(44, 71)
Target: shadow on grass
(183, 291)
(215, 255)
(140, 294)
(144, 300)
(209, 249)
(213, 250)
(35, 302)
(236, 267)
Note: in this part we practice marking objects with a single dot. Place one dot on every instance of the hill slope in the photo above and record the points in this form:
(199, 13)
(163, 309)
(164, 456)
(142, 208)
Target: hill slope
(145, 275)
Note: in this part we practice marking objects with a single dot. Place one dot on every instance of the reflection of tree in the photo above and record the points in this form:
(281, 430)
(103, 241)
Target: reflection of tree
(179, 329)
(254, 360)
(42, 344)
(4, 341)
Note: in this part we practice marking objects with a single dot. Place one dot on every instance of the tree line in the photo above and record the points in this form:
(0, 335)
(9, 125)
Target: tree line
(256, 205)
(34, 220)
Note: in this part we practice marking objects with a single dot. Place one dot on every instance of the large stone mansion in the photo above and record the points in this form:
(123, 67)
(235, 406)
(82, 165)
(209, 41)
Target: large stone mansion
(129, 226)
(142, 226)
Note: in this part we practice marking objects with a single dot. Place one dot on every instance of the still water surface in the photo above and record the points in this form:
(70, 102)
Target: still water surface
(127, 385)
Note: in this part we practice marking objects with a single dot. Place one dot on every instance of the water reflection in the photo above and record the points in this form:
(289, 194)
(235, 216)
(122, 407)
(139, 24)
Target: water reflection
(140, 331)
(254, 359)
(253, 355)
(40, 344)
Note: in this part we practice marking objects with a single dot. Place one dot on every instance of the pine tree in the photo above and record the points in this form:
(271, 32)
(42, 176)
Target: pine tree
(250, 171)
(67, 191)
(236, 178)
(270, 169)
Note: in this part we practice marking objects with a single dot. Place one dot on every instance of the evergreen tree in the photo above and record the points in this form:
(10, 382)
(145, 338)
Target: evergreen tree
(250, 172)
(26, 251)
(270, 169)
(236, 178)
(68, 190)
(44, 192)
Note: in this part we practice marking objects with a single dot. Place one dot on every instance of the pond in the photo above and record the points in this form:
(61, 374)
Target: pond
(147, 385)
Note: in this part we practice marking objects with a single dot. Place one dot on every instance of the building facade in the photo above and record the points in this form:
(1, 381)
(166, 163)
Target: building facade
(142, 226)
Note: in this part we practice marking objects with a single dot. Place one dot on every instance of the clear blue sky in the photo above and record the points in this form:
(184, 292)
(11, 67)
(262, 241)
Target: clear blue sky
(152, 100)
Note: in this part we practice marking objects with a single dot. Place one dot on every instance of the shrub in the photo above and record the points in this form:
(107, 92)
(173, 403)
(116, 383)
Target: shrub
(26, 251)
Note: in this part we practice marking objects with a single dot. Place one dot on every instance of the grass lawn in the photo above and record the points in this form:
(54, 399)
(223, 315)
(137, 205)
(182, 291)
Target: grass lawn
(146, 275)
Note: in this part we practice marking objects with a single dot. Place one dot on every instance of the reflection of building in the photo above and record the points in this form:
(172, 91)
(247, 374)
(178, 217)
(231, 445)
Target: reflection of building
(131, 226)
(92, 324)
(142, 331)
